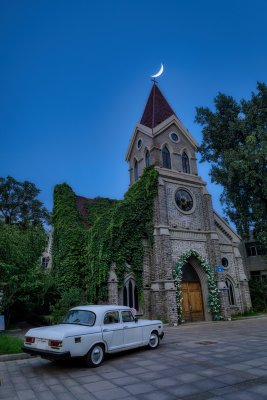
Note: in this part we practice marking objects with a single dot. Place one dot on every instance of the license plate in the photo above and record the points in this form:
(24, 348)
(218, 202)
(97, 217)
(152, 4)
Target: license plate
(41, 343)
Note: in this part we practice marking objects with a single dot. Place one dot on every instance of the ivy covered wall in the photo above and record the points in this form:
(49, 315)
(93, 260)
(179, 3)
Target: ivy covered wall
(82, 255)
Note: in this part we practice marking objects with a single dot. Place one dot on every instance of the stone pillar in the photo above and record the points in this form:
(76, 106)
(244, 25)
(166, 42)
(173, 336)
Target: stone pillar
(113, 295)
(242, 281)
(225, 306)
(156, 301)
(245, 295)
(214, 254)
(171, 302)
(163, 302)
(146, 306)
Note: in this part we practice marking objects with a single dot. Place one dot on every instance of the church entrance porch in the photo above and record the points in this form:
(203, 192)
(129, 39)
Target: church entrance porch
(192, 302)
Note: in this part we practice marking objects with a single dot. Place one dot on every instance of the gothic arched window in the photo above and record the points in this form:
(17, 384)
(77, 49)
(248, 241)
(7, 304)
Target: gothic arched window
(136, 171)
(147, 156)
(231, 292)
(166, 158)
(130, 294)
(185, 163)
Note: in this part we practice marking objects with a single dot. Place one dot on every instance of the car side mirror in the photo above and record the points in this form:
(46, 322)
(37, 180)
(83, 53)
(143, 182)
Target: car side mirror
(135, 319)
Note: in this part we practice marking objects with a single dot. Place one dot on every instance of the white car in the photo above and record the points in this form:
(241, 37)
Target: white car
(92, 331)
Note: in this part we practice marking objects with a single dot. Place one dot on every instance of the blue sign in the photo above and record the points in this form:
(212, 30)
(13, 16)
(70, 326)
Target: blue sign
(219, 268)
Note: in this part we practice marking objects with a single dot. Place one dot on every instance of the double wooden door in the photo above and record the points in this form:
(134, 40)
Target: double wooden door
(192, 301)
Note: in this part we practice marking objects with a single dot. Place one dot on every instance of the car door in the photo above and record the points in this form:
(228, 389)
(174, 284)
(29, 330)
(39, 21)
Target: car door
(132, 331)
(112, 331)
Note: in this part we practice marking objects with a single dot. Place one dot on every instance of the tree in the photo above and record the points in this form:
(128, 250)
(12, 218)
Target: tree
(21, 277)
(19, 203)
(235, 143)
(258, 293)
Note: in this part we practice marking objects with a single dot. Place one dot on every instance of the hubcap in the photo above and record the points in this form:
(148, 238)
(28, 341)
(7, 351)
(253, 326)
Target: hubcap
(97, 355)
(153, 340)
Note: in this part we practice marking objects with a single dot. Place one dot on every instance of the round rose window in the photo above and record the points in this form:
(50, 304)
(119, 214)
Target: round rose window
(174, 137)
(184, 200)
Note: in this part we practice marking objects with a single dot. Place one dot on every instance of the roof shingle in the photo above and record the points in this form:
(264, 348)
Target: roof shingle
(157, 109)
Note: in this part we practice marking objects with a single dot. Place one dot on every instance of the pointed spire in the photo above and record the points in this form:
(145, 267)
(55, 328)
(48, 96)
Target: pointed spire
(157, 109)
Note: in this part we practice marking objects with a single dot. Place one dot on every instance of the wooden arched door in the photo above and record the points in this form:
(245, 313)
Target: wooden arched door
(192, 303)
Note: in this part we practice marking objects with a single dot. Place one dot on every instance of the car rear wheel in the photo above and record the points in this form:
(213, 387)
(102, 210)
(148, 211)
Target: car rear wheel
(95, 356)
(153, 340)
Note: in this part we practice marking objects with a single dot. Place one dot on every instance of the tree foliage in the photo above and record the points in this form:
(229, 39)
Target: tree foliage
(22, 241)
(22, 279)
(19, 203)
(235, 143)
(258, 293)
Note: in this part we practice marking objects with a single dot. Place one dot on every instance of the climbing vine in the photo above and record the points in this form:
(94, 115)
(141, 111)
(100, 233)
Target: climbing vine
(117, 235)
(213, 292)
(69, 240)
(114, 232)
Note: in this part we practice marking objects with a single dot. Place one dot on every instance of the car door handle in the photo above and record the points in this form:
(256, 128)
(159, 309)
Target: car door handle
(126, 327)
(107, 330)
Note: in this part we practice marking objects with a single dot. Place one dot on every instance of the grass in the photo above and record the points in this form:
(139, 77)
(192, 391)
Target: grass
(248, 313)
(10, 344)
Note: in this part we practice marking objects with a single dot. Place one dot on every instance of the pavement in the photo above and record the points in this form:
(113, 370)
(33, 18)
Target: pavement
(198, 361)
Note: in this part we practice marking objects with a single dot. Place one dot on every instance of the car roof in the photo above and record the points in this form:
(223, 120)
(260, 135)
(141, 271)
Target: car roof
(100, 308)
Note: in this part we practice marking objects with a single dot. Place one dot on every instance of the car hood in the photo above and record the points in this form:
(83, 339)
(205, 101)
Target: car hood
(61, 331)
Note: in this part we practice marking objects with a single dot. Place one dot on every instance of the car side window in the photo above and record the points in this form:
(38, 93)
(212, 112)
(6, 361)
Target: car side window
(127, 316)
(111, 317)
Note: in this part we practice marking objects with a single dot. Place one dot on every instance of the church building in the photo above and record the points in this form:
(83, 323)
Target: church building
(185, 227)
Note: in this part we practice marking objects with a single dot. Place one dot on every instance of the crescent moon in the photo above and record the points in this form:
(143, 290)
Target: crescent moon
(158, 73)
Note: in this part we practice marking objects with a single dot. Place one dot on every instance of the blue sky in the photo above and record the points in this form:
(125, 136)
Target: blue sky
(75, 77)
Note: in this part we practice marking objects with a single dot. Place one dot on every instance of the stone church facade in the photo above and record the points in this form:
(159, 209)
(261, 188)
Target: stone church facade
(184, 220)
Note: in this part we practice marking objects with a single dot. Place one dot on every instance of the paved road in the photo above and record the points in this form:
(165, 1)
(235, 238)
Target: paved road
(220, 360)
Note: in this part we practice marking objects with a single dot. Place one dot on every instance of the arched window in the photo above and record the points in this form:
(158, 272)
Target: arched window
(231, 292)
(147, 156)
(130, 294)
(130, 289)
(125, 296)
(135, 171)
(166, 158)
(185, 163)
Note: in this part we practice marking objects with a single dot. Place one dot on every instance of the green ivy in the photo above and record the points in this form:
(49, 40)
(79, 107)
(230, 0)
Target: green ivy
(213, 292)
(82, 255)
(69, 240)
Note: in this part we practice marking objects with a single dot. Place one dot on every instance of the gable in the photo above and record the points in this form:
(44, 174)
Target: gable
(225, 232)
(153, 133)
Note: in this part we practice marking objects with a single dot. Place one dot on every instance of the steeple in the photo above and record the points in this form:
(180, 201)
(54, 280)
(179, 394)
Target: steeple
(157, 109)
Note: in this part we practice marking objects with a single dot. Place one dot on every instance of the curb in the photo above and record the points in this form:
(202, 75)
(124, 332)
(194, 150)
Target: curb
(13, 357)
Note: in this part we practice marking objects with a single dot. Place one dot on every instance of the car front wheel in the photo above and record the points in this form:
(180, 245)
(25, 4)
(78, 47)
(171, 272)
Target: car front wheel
(153, 340)
(95, 356)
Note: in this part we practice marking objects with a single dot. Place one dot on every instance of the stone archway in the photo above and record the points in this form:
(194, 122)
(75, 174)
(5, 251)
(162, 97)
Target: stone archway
(210, 292)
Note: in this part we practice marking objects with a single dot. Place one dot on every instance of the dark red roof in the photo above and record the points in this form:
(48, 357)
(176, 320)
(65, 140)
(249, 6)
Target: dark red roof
(81, 206)
(157, 109)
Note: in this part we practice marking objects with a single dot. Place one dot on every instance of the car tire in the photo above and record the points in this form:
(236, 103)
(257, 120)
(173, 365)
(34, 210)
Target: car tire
(153, 340)
(95, 356)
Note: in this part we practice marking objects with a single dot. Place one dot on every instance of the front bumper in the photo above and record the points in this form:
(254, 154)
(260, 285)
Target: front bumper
(49, 355)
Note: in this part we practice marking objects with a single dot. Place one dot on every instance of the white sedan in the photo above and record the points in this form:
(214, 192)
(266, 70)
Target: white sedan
(92, 331)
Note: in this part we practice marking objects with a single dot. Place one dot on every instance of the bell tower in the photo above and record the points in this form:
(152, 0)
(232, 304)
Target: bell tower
(160, 139)
(184, 219)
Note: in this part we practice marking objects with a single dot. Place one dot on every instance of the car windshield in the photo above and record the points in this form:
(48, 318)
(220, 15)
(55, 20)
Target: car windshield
(81, 317)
